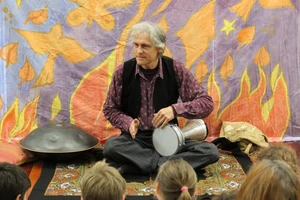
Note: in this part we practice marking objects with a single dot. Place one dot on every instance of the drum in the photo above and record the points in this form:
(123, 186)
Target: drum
(58, 142)
(195, 129)
(167, 141)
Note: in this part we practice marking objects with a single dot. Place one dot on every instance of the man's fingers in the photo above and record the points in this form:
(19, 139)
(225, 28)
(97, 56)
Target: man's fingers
(165, 122)
(163, 117)
(133, 133)
(133, 129)
(158, 120)
(154, 121)
(136, 123)
(161, 122)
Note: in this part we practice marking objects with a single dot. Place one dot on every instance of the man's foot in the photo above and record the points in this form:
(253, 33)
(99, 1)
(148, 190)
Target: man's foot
(129, 169)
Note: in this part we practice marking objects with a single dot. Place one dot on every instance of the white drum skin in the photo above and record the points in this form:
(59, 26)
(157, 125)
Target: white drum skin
(166, 141)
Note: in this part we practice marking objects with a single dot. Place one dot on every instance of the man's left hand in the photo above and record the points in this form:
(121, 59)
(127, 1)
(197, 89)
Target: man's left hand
(162, 118)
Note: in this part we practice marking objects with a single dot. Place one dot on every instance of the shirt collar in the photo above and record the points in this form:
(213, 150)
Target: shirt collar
(160, 71)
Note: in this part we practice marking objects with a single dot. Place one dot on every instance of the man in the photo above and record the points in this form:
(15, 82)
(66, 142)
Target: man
(144, 95)
(14, 182)
(102, 182)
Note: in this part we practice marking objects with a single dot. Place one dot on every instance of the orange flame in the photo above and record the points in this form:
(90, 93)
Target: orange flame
(15, 125)
(249, 107)
(88, 99)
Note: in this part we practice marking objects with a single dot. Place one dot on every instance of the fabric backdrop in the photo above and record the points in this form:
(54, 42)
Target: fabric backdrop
(57, 60)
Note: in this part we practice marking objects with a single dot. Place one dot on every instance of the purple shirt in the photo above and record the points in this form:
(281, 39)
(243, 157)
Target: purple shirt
(194, 102)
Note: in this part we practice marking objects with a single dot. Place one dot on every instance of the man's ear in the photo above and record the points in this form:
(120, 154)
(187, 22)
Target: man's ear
(18, 197)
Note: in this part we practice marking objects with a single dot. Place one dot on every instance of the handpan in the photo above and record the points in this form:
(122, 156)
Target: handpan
(58, 139)
(168, 140)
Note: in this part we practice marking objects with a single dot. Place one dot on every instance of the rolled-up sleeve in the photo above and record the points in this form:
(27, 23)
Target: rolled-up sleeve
(194, 99)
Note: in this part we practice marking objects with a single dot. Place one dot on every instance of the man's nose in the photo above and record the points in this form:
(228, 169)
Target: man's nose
(140, 50)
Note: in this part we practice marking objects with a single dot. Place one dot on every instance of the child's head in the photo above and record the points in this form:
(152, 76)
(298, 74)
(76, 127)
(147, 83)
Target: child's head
(102, 182)
(176, 179)
(14, 182)
(270, 179)
(280, 151)
(226, 195)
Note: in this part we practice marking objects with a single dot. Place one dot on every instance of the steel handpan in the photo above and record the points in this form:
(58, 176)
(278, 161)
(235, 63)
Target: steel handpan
(58, 139)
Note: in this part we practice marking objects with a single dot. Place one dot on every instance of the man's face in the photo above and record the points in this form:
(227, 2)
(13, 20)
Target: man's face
(145, 52)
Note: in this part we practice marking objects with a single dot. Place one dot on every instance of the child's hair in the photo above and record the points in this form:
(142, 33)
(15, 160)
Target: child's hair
(226, 195)
(176, 179)
(13, 181)
(102, 182)
(280, 151)
(270, 179)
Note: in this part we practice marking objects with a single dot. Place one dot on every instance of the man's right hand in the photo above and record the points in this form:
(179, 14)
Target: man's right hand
(134, 127)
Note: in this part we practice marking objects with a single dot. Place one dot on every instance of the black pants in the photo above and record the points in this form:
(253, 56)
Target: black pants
(140, 152)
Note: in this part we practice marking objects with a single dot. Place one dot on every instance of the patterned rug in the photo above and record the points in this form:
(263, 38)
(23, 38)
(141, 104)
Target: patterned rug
(62, 179)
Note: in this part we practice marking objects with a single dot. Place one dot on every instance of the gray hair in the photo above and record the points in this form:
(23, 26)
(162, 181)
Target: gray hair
(156, 34)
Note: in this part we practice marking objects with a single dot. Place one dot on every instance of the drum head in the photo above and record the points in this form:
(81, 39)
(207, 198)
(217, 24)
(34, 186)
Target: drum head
(165, 141)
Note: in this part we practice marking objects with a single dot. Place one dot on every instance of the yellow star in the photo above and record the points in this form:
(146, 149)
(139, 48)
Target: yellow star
(228, 26)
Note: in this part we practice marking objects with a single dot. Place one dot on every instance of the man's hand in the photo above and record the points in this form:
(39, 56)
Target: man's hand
(162, 118)
(134, 127)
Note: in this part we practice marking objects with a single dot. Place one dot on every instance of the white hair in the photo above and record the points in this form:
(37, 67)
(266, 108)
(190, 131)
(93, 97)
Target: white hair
(156, 34)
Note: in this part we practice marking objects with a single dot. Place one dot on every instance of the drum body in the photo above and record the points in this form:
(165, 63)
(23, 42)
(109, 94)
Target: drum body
(195, 129)
(167, 141)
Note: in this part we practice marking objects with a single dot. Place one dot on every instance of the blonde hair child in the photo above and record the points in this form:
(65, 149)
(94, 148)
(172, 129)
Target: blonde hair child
(176, 179)
(102, 182)
(270, 179)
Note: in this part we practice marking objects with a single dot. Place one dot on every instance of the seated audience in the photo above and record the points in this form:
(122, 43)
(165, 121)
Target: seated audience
(14, 182)
(270, 179)
(227, 195)
(176, 179)
(102, 182)
(280, 151)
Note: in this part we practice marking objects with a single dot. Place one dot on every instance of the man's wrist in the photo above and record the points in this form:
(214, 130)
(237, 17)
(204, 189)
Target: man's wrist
(174, 111)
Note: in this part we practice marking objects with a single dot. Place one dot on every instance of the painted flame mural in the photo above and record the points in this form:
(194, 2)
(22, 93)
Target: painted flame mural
(58, 57)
